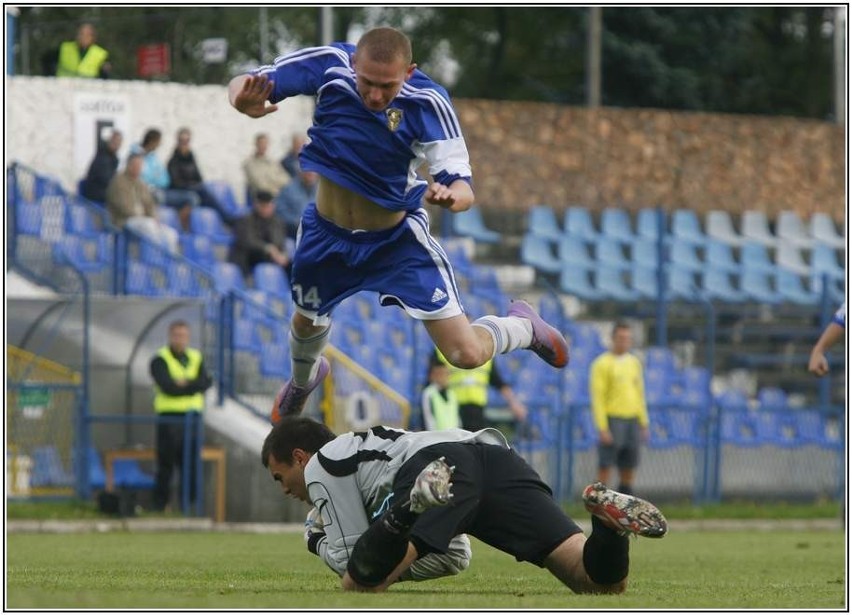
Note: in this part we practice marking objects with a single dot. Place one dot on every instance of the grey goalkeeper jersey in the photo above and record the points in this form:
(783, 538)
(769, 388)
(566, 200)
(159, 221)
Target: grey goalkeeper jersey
(350, 481)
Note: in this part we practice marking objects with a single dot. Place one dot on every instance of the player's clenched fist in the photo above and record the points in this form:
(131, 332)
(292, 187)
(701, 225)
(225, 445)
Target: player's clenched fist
(314, 530)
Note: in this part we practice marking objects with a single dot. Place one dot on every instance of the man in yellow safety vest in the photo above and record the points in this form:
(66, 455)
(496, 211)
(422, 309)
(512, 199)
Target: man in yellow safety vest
(471, 390)
(180, 381)
(438, 401)
(82, 57)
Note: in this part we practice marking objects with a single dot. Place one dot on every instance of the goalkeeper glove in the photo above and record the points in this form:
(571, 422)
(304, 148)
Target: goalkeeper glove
(314, 530)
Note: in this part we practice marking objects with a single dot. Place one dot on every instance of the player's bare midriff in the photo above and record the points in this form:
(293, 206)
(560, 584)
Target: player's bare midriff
(350, 210)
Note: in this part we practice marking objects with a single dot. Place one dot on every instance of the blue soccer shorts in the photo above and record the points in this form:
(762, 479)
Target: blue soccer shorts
(404, 264)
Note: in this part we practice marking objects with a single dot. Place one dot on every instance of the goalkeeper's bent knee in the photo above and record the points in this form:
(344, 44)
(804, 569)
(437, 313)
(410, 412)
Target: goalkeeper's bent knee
(376, 554)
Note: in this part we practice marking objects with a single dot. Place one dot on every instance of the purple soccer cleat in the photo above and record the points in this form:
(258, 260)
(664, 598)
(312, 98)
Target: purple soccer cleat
(547, 342)
(291, 398)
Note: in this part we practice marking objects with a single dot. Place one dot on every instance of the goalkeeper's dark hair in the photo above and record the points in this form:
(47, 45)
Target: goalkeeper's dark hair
(294, 432)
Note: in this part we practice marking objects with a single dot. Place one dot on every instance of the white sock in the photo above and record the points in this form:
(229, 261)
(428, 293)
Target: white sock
(304, 353)
(508, 332)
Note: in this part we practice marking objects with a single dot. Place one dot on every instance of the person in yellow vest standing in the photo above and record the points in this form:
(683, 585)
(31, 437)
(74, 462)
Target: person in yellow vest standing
(180, 380)
(471, 390)
(83, 57)
(617, 392)
(438, 401)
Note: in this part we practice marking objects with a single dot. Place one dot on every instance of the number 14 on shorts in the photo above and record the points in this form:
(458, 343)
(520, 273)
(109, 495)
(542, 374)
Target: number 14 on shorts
(310, 298)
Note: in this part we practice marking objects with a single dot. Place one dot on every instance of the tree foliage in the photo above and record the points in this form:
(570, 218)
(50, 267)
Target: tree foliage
(768, 60)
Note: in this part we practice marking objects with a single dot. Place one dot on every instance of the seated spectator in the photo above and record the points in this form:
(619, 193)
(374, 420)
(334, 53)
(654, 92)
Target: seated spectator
(131, 204)
(290, 161)
(157, 177)
(262, 173)
(185, 175)
(294, 197)
(103, 168)
(260, 237)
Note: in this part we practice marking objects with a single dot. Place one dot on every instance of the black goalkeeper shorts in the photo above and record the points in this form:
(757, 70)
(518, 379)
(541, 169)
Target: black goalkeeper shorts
(497, 497)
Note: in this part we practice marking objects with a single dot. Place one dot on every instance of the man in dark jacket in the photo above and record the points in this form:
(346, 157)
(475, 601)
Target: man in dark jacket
(103, 167)
(185, 175)
(259, 237)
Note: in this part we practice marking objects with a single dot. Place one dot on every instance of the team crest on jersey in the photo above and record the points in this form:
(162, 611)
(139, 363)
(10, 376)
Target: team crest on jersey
(394, 118)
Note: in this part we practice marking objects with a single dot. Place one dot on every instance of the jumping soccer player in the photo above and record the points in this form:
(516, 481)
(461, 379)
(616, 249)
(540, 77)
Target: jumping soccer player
(381, 512)
(377, 121)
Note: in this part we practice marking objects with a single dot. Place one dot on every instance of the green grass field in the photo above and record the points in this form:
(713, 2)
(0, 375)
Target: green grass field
(697, 570)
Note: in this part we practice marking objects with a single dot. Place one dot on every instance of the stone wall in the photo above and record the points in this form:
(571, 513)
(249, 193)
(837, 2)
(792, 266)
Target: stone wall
(530, 153)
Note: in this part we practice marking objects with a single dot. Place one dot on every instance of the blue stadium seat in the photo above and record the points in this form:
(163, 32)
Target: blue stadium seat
(228, 277)
(183, 281)
(824, 232)
(139, 281)
(776, 429)
(48, 469)
(128, 474)
(615, 224)
(657, 386)
(791, 288)
(575, 281)
(610, 282)
(755, 229)
(732, 400)
(204, 221)
(756, 257)
(645, 253)
(716, 284)
(788, 256)
(824, 261)
(810, 427)
(685, 427)
(458, 256)
(271, 278)
(223, 194)
(536, 252)
(80, 221)
(772, 398)
(85, 254)
(696, 388)
(469, 224)
(739, 428)
(154, 254)
(578, 224)
(660, 356)
(28, 218)
(574, 254)
(97, 474)
(720, 228)
(584, 433)
(585, 335)
(199, 249)
(647, 224)
(791, 231)
(720, 256)
(169, 217)
(609, 252)
(245, 336)
(684, 254)
(681, 284)
(576, 379)
(757, 284)
(687, 227)
(543, 223)
(659, 430)
(275, 361)
(644, 281)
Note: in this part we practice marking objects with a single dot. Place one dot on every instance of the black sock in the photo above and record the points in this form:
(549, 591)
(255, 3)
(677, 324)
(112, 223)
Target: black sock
(625, 489)
(606, 554)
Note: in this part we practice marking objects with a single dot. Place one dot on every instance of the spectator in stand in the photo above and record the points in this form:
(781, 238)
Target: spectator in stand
(103, 168)
(290, 161)
(184, 173)
(131, 204)
(262, 173)
(157, 177)
(80, 57)
(294, 197)
(260, 237)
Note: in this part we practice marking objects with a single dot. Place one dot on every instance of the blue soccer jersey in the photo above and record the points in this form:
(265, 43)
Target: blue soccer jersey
(840, 316)
(375, 154)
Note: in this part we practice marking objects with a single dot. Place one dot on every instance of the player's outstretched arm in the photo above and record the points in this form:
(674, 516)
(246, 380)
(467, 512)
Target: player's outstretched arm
(248, 94)
(456, 197)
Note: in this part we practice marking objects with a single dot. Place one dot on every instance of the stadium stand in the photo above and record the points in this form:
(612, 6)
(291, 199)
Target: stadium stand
(789, 229)
(579, 224)
(789, 257)
(536, 252)
(686, 226)
(543, 223)
(823, 231)
(720, 227)
(755, 228)
(615, 224)
(470, 224)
